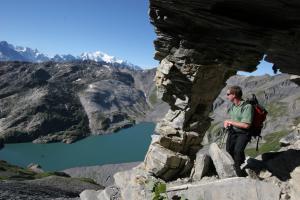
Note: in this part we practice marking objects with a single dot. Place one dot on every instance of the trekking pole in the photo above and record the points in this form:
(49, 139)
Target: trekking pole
(223, 137)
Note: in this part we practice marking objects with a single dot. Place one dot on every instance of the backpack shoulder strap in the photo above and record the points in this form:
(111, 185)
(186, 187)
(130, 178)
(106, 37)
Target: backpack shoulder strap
(229, 108)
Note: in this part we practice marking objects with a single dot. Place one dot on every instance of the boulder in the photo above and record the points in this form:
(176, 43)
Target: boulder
(90, 195)
(165, 163)
(291, 138)
(295, 184)
(203, 164)
(226, 189)
(35, 167)
(111, 192)
(223, 162)
(132, 183)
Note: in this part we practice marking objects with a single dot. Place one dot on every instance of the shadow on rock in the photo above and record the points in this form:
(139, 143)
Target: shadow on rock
(280, 164)
(1, 143)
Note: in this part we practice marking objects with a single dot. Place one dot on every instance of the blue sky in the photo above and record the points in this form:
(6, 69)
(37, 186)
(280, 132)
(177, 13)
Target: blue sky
(117, 27)
(263, 68)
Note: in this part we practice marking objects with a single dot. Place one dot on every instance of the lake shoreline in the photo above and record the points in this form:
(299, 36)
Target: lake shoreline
(127, 145)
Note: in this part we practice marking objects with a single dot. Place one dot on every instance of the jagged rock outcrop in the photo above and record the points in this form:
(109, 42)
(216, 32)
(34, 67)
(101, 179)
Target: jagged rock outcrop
(52, 102)
(199, 45)
(203, 164)
(295, 182)
(223, 162)
(229, 189)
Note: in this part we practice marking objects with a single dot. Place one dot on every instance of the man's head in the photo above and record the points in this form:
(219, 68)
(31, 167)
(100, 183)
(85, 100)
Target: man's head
(234, 92)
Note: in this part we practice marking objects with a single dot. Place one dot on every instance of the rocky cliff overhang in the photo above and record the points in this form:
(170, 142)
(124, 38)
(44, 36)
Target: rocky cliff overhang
(199, 45)
(233, 33)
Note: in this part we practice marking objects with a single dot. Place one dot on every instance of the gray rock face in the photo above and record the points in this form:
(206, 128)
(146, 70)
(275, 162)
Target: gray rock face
(295, 182)
(227, 189)
(52, 102)
(203, 164)
(111, 192)
(291, 138)
(183, 126)
(223, 162)
(70, 185)
(208, 33)
(91, 195)
(133, 183)
(166, 163)
(46, 188)
(12, 191)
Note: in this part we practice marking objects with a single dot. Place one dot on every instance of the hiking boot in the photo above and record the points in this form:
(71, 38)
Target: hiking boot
(240, 172)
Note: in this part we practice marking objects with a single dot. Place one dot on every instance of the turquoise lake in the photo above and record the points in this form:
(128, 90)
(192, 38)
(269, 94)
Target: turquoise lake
(126, 145)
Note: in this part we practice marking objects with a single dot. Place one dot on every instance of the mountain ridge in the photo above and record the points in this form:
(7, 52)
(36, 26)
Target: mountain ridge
(9, 52)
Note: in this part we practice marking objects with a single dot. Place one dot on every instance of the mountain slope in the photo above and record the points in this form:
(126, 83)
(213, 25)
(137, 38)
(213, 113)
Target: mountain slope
(50, 102)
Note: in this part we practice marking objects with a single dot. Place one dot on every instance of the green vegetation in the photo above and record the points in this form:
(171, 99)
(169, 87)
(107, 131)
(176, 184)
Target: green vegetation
(12, 172)
(87, 180)
(271, 144)
(159, 191)
(277, 109)
(46, 174)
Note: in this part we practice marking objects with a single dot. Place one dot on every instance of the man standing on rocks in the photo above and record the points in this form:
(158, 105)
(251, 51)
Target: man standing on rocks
(241, 116)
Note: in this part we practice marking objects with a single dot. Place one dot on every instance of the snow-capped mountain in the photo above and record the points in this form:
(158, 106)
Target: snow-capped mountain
(9, 52)
(31, 55)
(64, 58)
(99, 56)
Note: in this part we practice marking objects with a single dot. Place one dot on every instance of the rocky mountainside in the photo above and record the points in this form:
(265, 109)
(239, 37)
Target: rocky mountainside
(27, 183)
(49, 102)
(278, 94)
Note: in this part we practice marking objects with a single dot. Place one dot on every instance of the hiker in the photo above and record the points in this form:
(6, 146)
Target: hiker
(241, 116)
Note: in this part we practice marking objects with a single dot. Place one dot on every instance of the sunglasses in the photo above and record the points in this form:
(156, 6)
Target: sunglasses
(228, 94)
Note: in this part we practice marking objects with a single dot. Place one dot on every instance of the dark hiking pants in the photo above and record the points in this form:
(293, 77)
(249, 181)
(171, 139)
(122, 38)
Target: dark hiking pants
(235, 146)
